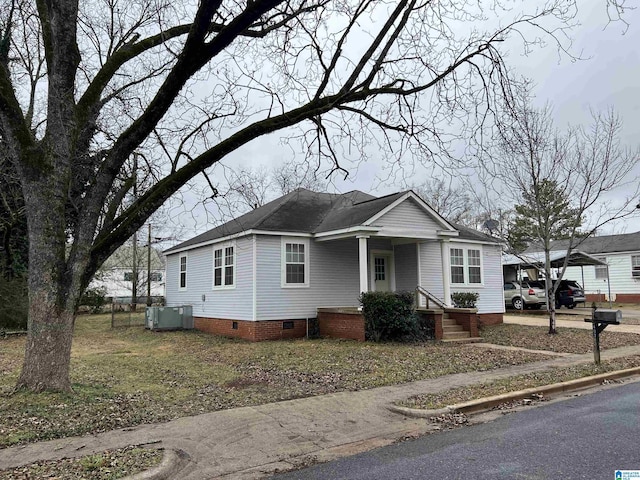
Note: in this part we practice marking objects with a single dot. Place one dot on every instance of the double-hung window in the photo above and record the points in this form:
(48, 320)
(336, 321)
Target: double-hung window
(183, 272)
(601, 272)
(224, 266)
(475, 274)
(635, 266)
(295, 262)
(457, 265)
(466, 266)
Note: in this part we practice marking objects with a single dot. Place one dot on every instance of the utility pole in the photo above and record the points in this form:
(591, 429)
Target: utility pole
(134, 273)
(149, 267)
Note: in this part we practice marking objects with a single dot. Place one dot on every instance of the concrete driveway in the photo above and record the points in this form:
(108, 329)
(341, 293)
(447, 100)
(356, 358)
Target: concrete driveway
(574, 318)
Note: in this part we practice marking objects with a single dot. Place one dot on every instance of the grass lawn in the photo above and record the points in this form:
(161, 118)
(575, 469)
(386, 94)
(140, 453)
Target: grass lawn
(108, 465)
(127, 376)
(569, 340)
(519, 382)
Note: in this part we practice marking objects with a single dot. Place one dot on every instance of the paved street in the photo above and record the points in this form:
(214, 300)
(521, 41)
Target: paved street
(588, 437)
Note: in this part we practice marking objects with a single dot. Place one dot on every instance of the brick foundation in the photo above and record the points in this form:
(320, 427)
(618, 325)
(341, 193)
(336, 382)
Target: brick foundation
(595, 297)
(252, 331)
(341, 323)
(486, 319)
(628, 297)
(467, 318)
(436, 317)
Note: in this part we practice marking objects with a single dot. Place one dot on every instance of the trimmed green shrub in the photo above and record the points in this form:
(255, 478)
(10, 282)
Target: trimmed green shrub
(390, 316)
(464, 299)
(14, 306)
(94, 298)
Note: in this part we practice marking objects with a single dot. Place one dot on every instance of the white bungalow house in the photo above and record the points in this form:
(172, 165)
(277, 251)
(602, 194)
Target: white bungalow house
(619, 279)
(116, 275)
(266, 273)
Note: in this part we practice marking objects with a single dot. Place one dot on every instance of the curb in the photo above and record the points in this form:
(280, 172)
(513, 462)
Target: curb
(172, 462)
(482, 404)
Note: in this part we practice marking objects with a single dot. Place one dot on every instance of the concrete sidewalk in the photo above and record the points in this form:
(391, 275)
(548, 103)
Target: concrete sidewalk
(543, 321)
(253, 442)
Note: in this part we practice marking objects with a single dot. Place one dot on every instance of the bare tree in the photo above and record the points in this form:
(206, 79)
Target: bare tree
(562, 182)
(86, 87)
(292, 175)
(453, 202)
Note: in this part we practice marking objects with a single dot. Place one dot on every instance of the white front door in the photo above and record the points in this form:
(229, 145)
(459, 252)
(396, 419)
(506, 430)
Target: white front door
(381, 273)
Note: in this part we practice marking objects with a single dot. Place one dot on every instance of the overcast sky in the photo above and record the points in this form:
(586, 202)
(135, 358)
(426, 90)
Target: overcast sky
(608, 77)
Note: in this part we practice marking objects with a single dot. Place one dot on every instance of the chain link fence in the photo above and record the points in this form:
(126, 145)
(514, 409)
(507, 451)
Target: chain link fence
(125, 313)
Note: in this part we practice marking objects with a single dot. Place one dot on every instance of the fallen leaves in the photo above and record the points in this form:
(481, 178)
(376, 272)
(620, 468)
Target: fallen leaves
(107, 465)
(567, 340)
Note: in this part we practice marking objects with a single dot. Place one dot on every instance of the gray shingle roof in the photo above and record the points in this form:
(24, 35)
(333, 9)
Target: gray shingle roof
(304, 211)
(467, 233)
(627, 242)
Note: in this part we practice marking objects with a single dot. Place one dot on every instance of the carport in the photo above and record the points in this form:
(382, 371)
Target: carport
(536, 260)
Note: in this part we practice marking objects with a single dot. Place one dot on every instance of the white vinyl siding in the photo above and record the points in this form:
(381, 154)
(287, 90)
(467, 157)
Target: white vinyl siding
(635, 266)
(408, 219)
(431, 268)
(406, 266)
(620, 268)
(333, 279)
(235, 303)
(490, 291)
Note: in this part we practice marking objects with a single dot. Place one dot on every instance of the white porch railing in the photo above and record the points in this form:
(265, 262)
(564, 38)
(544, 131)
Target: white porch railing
(422, 292)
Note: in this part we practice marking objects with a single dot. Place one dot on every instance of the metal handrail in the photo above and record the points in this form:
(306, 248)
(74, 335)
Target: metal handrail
(428, 296)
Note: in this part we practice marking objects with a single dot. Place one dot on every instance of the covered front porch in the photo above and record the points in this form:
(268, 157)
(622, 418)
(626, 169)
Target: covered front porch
(400, 263)
(407, 263)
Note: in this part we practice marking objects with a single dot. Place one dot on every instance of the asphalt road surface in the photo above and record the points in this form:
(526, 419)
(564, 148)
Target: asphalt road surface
(586, 437)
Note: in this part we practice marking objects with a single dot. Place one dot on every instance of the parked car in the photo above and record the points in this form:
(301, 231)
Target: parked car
(569, 293)
(531, 297)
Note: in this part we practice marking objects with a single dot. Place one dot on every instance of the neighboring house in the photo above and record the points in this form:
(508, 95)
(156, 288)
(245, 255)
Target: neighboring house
(621, 275)
(117, 273)
(271, 269)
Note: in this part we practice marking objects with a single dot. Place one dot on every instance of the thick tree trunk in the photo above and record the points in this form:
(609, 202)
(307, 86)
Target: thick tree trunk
(48, 351)
(54, 289)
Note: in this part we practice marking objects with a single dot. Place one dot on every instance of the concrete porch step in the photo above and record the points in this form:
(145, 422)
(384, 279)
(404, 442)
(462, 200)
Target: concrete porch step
(451, 335)
(452, 328)
(449, 321)
(462, 340)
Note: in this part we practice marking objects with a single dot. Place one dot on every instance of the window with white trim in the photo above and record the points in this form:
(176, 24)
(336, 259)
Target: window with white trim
(295, 263)
(183, 272)
(601, 271)
(224, 266)
(475, 268)
(635, 266)
(457, 265)
(466, 266)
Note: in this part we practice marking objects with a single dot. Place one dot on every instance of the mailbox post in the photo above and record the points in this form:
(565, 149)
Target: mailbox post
(599, 320)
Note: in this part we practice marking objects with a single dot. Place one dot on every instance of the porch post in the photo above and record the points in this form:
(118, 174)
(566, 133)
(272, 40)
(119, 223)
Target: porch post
(446, 272)
(362, 251)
